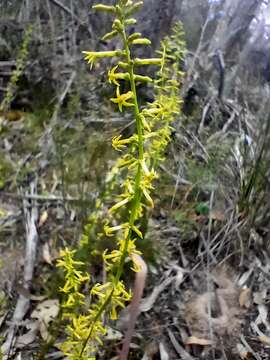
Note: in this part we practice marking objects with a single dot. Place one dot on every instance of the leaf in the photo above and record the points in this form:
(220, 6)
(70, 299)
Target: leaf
(179, 277)
(30, 336)
(264, 339)
(43, 218)
(45, 313)
(243, 352)
(217, 215)
(193, 340)
(202, 209)
(113, 335)
(46, 255)
(245, 297)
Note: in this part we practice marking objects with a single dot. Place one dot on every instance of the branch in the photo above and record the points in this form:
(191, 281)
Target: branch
(67, 10)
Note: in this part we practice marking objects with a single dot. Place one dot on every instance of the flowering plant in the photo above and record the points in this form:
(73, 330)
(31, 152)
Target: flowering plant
(135, 169)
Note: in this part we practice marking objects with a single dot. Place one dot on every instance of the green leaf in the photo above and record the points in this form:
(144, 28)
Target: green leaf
(202, 208)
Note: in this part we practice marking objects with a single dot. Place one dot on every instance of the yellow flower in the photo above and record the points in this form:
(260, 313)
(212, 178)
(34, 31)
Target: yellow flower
(118, 143)
(121, 99)
(119, 204)
(92, 56)
(113, 76)
(110, 230)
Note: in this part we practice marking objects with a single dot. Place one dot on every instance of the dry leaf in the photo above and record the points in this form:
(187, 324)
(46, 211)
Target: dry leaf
(37, 297)
(217, 215)
(43, 218)
(243, 352)
(46, 312)
(245, 298)
(264, 339)
(30, 336)
(263, 316)
(179, 278)
(113, 334)
(259, 297)
(46, 255)
(261, 336)
(193, 340)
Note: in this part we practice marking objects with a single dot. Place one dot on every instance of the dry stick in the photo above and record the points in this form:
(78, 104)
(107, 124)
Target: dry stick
(178, 348)
(189, 81)
(135, 304)
(22, 306)
(46, 141)
(49, 197)
(67, 10)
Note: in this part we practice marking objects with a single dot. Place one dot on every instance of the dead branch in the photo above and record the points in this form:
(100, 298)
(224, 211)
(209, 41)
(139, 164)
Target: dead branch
(67, 11)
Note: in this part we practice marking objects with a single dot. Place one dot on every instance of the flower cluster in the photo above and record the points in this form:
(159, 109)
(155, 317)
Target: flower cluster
(135, 171)
(74, 278)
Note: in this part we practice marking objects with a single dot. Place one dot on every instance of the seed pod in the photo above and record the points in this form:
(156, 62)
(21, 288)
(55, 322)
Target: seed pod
(110, 35)
(106, 8)
(141, 41)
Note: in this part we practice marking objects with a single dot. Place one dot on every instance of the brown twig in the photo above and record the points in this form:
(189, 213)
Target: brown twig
(67, 10)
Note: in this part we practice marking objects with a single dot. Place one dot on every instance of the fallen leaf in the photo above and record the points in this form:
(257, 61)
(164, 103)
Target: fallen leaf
(46, 255)
(261, 336)
(259, 297)
(243, 352)
(30, 336)
(264, 339)
(193, 340)
(43, 218)
(245, 298)
(217, 215)
(179, 278)
(45, 313)
(37, 297)
(113, 334)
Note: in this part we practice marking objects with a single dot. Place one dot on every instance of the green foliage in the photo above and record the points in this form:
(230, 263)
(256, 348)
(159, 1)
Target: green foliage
(202, 208)
(127, 196)
(253, 162)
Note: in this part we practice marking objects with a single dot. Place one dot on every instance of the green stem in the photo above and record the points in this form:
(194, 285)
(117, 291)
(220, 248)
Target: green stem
(98, 315)
(137, 188)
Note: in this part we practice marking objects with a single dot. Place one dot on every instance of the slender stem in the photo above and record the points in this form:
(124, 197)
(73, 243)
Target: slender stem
(98, 315)
(137, 188)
